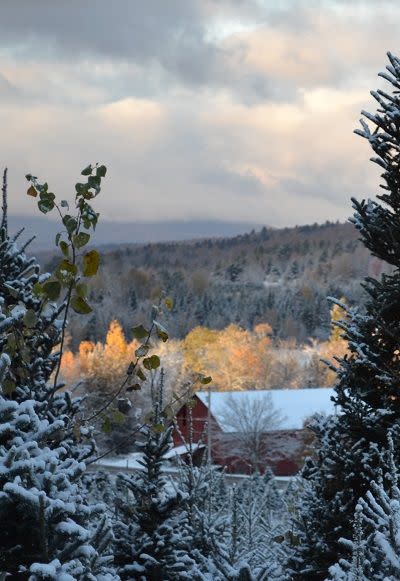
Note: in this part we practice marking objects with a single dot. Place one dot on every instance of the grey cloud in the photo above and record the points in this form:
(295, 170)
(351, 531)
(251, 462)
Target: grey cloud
(237, 184)
(152, 47)
(7, 89)
(163, 39)
(169, 33)
(124, 28)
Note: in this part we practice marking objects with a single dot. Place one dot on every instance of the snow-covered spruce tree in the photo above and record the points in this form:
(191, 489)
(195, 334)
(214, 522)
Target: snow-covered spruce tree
(205, 497)
(30, 335)
(30, 332)
(45, 521)
(231, 533)
(47, 528)
(376, 541)
(151, 532)
(245, 548)
(354, 569)
(349, 445)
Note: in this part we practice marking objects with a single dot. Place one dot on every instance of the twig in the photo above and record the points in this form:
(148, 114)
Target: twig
(4, 220)
(117, 446)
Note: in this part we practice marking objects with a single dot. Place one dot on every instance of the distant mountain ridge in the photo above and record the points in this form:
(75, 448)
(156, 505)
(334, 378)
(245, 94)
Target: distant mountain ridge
(107, 232)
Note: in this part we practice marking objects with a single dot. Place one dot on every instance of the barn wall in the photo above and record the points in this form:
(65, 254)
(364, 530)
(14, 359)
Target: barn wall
(283, 450)
(200, 417)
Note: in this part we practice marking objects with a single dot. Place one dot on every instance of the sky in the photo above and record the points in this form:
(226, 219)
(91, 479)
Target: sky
(236, 110)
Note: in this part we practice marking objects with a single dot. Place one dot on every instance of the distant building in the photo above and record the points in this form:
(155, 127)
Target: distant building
(284, 446)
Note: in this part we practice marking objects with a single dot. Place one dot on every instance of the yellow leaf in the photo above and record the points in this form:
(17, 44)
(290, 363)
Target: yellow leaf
(91, 262)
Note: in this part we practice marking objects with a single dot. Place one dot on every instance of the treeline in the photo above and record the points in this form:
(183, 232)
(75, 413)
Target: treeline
(280, 276)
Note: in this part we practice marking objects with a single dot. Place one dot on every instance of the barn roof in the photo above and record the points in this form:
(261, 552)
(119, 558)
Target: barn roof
(296, 405)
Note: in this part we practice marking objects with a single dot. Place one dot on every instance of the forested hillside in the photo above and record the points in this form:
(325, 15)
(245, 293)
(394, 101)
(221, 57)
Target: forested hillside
(277, 276)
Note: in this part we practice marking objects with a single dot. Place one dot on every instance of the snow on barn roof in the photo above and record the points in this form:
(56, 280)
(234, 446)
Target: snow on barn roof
(296, 405)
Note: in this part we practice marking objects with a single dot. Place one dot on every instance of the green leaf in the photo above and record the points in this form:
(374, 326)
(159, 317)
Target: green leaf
(168, 412)
(66, 271)
(77, 429)
(11, 345)
(134, 387)
(131, 368)
(37, 289)
(101, 171)
(87, 171)
(91, 262)
(52, 289)
(149, 417)
(70, 223)
(64, 248)
(80, 305)
(94, 182)
(106, 426)
(46, 196)
(119, 416)
(158, 428)
(81, 289)
(139, 332)
(142, 350)
(191, 403)
(206, 380)
(45, 206)
(140, 374)
(161, 332)
(64, 204)
(169, 303)
(30, 318)
(58, 236)
(81, 239)
(152, 362)
(81, 189)
(124, 406)
(8, 386)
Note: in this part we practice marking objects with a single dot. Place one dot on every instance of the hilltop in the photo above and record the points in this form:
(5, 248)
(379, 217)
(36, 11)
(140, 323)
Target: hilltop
(279, 276)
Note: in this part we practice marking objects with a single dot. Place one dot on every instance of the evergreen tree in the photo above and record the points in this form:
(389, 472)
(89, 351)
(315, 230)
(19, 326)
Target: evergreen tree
(367, 388)
(47, 527)
(152, 542)
(30, 334)
(45, 521)
(376, 540)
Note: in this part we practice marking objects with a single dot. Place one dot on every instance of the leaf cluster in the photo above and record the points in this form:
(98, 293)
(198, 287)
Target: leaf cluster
(75, 235)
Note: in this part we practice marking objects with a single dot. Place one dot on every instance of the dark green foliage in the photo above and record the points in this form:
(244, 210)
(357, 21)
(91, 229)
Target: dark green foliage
(45, 520)
(349, 455)
(30, 346)
(151, 533)
(48, 529)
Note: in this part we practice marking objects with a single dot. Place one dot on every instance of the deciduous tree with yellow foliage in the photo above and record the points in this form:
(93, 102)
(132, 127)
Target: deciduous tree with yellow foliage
(235, 358)
(100, 365)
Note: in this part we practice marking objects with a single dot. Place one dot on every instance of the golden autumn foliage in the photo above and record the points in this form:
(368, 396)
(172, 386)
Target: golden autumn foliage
(338, 313)
(234, 357)
(319, 373)
(336, 346)
(237, 359)
(103, 364)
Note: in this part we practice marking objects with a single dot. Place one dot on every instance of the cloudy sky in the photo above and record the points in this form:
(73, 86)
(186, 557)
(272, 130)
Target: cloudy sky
(201, 109)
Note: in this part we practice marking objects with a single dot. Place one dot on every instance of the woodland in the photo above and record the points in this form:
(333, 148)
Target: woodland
(62, 518)
(280, 277)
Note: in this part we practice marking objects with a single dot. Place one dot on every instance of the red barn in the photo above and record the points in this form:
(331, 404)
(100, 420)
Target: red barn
(280, 442)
